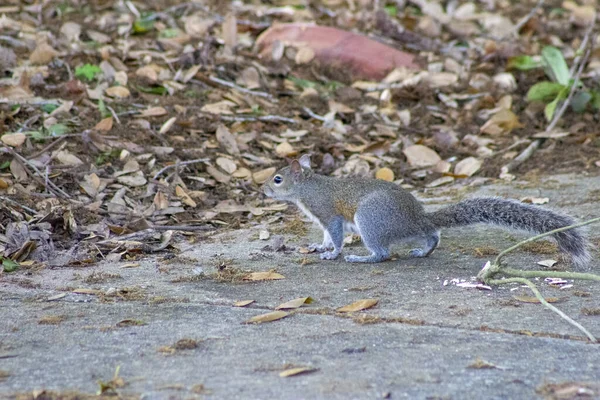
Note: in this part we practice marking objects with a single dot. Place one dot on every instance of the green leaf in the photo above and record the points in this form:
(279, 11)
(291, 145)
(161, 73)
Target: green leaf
(144, 25)
(391, 10)
(550, 108)
(169, 33)
(556, 66)
(87, 71)
(5, 165)
(596, 99)
(9, 265)
(160, 90)
(523, 63)
(544, 91)
(104, 112)
(48, 107)
(580, 101)
(302, 83)
(58, 129)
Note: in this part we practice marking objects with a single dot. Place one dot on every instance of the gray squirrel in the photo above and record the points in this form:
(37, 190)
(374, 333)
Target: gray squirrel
(383, 213)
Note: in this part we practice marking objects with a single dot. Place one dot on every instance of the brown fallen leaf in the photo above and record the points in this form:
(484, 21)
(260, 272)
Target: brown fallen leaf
(13, 139)
(296, 303)
(421, 156)
(503, 122)
(336, 49)
(268, 317)
(532, 299)
(359, 305)
(87, 291)
(243, 303)
(154, 112)
(467, 167)
(104, 125)
(130, 322)
(262, 175)
(296, 371)
(263, 276)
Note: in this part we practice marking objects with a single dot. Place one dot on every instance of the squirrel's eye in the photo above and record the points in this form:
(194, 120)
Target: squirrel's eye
(278, 179)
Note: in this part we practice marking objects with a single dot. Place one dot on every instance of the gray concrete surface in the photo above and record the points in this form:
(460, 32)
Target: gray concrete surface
(424, 337)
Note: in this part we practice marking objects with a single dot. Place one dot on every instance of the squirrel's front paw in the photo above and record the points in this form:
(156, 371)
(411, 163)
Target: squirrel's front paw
(318, 247)
(330, 255)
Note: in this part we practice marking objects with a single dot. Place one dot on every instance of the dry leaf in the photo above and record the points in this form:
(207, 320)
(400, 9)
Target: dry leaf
(229, 31)
(154, 112)
(385, 174)
(547, 263)
(226, 164)
(533, 299)
(13, 139)
(104, 125)
(268, 317)
(467, 167)
(221, 107)
(218, 175)
(421, 156)
(67, 158)
(296, 303)
(87, 291)
(359, 305)
(296, 371)
(118, 92)
(182, 194)
(504, 121)
(243, 303)
(263, 276)
(167, 125)
(43, 54)
(227, 140)
(284, 149)
(18, 171)
(304, 55)
(262, 175)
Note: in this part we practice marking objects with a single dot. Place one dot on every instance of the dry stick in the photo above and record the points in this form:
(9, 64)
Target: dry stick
(178, 164)
(30, 210)
(523, 20)
(49, 185)
(263, 118)
(240, 89)
(543, 301)
(579, 64)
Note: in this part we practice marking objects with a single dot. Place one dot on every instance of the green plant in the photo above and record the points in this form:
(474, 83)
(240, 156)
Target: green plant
(87, 71)
(559, 85)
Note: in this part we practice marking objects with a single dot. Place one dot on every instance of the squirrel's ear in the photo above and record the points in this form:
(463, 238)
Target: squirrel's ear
(305, 161)
(296, 169)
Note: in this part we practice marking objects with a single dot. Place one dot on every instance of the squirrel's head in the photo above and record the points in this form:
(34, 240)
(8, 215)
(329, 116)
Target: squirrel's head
(283, 184)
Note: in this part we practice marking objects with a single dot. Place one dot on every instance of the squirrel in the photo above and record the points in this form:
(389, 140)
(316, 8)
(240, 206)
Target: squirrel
(382, 213)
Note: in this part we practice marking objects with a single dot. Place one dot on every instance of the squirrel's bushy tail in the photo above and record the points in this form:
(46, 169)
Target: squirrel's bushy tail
(515, 215)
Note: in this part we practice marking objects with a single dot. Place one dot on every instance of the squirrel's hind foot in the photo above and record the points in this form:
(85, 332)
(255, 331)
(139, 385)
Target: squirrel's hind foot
(319, 248)
(417, 253)
(330, 255)
(373, 258)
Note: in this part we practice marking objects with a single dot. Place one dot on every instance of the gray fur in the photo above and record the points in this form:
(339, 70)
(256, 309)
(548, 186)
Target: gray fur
(384, 213)
(515, 215)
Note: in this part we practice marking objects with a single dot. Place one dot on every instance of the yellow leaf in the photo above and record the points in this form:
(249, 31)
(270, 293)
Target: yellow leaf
(504, 121)
(385, 174)
(296, 371)
(268, 317)
(154, 112)
(263, 276)
(243, 303)
(359, 305)
(182, 194)
(296, 303)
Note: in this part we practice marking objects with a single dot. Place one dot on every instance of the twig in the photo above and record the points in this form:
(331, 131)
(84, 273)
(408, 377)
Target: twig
(178, 164)
(189, 228)
(264, 118)
(50, 185)
(312, 114)
(30, 210)
(48, 147)
(240, 89)
(114, 114)
(523, 21)
(543, 301)
(521, 158)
